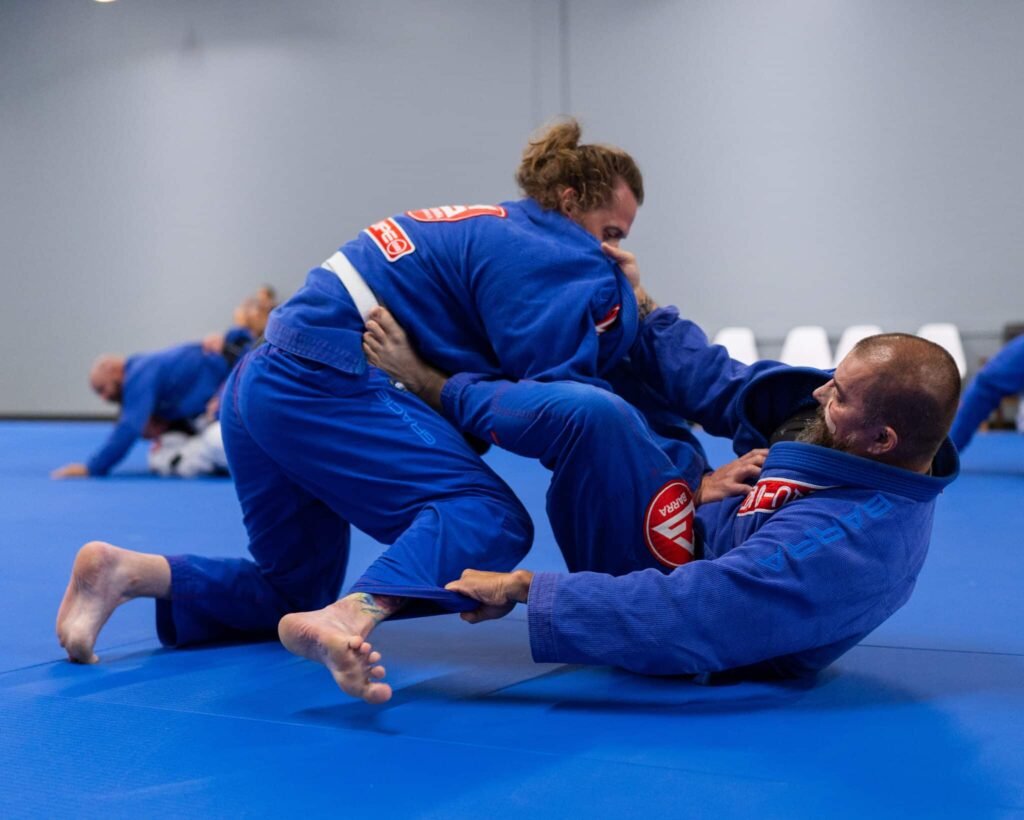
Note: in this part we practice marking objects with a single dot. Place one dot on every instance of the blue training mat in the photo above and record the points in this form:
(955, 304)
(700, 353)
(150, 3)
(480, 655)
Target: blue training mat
(925, 719)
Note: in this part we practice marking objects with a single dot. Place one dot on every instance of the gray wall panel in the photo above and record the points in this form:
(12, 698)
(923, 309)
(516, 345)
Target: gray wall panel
(825, 162)
(837, 162)
(160, 159)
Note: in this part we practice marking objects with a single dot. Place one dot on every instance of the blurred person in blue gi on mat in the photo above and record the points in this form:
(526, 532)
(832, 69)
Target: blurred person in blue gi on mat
(779, 583)
(157, 392)
(318, 440)
(1002, 375)
(200, 452)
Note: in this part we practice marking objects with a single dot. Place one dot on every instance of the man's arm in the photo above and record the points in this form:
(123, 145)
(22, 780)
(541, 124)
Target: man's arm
(696, 378)
(756, 603)
(1002, 376)
(115, 448)
(140, 392)
(74, 470)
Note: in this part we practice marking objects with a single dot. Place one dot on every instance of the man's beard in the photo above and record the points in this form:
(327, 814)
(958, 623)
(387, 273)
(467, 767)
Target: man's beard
(816, 432)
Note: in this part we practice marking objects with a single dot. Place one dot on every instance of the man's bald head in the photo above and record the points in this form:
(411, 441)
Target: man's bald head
(915, 391)
(891, 399)
(106, 376)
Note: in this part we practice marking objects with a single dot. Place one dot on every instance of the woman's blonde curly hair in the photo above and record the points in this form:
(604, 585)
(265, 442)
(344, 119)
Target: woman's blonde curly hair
(555, 160)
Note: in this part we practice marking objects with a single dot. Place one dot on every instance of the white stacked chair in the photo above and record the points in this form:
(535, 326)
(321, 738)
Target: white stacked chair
(947, 334)
(850, 337)
(740, 343)
(807, 346)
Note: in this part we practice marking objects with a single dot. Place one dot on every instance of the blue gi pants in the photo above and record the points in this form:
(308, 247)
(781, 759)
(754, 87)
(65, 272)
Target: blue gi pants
(312, 450)
(620, 498)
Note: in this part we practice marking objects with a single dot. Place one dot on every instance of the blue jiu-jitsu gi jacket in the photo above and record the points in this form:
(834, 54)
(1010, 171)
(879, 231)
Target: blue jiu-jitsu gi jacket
(821, 551)
(501, 289)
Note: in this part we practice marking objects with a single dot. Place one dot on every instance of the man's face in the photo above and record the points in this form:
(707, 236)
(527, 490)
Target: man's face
(107, 386)
(611, 223)
(842, 408)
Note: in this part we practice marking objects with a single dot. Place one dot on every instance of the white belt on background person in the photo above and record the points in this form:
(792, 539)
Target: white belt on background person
(354, 283)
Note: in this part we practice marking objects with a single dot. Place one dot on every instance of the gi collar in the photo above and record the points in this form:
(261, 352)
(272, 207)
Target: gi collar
(774, 395)
(825, 466)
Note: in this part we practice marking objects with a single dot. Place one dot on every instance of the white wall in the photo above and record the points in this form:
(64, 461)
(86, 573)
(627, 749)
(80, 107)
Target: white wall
(806, 160)
(832, 161)
(161, 159)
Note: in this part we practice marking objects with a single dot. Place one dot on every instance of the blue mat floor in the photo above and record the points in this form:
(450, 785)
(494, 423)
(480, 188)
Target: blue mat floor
(925, 719)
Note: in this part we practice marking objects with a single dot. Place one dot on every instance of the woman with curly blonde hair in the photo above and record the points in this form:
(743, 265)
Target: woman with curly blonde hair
(318, 440)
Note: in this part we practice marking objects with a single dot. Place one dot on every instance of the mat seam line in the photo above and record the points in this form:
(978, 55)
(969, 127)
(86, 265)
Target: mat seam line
(538, 752)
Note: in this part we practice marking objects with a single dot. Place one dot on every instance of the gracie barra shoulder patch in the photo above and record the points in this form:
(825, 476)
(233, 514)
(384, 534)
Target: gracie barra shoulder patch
(769, 494)
(456, 213)
(393, 242)
(668, 524)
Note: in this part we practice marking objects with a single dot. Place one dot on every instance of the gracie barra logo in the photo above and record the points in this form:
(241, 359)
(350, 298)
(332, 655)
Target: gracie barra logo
(769, 494)
(390, 238)
(456, 213)
(668, 524)
(403, 414)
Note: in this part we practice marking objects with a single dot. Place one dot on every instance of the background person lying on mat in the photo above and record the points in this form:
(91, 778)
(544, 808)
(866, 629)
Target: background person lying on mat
(317, 440)
(823, 549)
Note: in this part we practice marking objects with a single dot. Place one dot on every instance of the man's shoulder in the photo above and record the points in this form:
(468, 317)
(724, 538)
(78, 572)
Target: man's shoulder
(154, 363)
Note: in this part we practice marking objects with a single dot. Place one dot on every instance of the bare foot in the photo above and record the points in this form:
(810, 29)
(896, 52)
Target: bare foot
(102, 578)
(386, 346)
(336, 637)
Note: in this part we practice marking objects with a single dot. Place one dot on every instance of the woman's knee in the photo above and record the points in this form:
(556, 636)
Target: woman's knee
(591, 410)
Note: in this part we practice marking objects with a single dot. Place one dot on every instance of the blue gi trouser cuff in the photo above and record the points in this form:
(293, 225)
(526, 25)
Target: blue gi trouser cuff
(172, 624)
(541, 606)
(419, 600)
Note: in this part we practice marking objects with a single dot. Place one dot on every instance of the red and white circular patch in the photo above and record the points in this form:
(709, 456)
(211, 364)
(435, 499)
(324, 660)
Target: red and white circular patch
(397, 247)
(668, 524)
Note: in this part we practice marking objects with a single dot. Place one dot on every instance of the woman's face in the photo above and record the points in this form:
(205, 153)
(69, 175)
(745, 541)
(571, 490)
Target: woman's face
(611, 222)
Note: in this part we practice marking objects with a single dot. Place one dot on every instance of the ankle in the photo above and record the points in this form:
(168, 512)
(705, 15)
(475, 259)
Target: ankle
(147, 576)
(363, 611)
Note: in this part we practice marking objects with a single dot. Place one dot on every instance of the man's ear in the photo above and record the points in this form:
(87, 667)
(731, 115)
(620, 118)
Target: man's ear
(884, 441)
(568, 202)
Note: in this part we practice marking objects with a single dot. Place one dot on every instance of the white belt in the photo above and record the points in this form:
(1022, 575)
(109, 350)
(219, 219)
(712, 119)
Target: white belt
(354, 283)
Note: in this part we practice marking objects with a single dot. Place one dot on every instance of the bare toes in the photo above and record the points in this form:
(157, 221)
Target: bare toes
(378, 693)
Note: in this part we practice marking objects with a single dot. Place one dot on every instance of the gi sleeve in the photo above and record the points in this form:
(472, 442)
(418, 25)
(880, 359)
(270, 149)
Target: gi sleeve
(1002, 376)
(779, 593)
(140, 394)
(697, 379)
